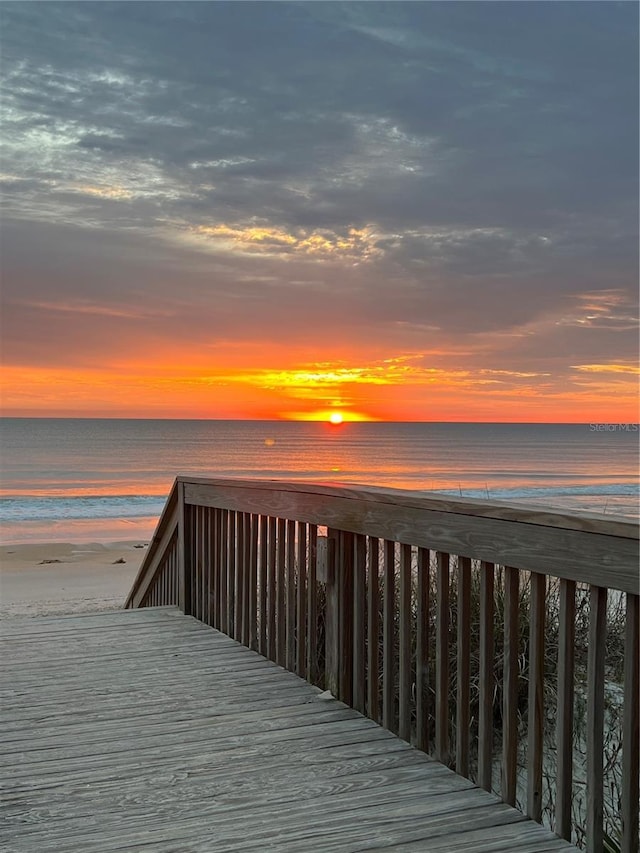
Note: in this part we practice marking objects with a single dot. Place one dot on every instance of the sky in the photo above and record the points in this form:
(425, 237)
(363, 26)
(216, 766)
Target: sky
(386, 210)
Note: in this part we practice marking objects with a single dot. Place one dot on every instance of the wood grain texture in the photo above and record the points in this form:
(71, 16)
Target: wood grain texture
(373, 629)
(463, 651)
(510, 694)
(595, 716)
(564, 713)
(442, 659)
(422, 650)
(582, 547)
(631, 727)
(241, 755)
(405, 629)
(485, 721)
(535, 723)
(359, 622)
(389, 637)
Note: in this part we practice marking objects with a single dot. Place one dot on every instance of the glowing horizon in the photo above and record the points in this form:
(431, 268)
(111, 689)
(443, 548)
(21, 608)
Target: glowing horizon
(226, 229)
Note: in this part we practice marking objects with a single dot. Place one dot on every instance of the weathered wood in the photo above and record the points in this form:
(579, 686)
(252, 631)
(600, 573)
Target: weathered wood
(253, 582)
(485, 721)
(373, 629)
(442, 659)
(221, 757)
(344, 574)
(301, 603)
(332, 614)
(582, 547)
(405, 620)
(184, 550)
(252, 762)
(463, 651)
(160, 542)
(595, 717)
(290, 580)
(232, 569)
(280, 587)
(564, 712)
(388, 637)
(224, 570)
(271, 588)
(312, 607)
(548, 544)
(536, 698)
(510, 694)
(631, 727)
(262, 585)
(422, 650)
(359, 617)
(238, 610)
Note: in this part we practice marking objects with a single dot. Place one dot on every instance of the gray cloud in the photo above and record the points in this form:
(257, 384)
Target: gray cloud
(468, 168)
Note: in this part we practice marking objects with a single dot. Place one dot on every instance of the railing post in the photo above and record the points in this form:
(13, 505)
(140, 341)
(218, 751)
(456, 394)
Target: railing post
(339, 615)
(332, 617)
(184, 555)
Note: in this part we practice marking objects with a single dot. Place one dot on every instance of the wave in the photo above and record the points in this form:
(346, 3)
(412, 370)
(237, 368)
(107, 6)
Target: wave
(79, 507)
(60, 508)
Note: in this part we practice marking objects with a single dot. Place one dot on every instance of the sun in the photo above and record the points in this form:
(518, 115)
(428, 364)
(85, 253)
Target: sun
(335, 418)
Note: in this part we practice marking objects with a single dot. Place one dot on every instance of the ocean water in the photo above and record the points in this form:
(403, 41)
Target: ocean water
(100, 480)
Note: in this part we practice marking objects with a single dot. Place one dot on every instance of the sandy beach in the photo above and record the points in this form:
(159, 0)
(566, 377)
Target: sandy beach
(57, 578)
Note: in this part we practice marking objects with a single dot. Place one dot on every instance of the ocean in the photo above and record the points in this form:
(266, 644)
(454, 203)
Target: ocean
(107, 479)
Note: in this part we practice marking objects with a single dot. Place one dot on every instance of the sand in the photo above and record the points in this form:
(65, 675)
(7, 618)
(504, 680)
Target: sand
(59, 578)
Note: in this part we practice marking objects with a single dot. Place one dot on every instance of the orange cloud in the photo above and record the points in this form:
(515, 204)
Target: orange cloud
(396, 388)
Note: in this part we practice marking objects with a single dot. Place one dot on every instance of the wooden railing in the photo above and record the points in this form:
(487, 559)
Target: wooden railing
(502, 640)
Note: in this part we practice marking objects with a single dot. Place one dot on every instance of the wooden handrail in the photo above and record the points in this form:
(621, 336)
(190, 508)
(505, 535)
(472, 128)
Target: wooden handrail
(397, 601)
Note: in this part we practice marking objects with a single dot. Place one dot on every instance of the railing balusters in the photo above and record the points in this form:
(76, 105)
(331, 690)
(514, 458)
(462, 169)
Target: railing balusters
(373, 628)
(404, 722)
(312, 606)
(291, 596)
(253, 582)
(344, 573)
(422, 650)
(262, 585)
(564, 712)
(208, 584)
(281, 615)
(215, 557)
(510, 689)
(536, 697)
(238, 610)
(631, 727)
(388, 637)
(231, 575)
(485, 720)
(359, 608)
(442, 660)
(595, 716)
(463, 675)
(224, 571)
(271, 588)
(226, 555)
(301, 602)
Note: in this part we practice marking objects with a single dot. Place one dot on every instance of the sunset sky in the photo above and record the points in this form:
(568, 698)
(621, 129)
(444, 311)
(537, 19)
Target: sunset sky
(397, 211)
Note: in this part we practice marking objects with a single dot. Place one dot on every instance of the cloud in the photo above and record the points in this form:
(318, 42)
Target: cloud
(396, 177)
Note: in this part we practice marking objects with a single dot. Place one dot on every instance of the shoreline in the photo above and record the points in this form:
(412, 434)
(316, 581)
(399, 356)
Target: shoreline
(56, 578)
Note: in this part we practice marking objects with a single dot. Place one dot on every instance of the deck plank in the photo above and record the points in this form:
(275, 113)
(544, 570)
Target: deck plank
(144, 730)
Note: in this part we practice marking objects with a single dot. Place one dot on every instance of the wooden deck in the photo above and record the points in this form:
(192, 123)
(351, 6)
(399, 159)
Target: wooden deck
(146, 730)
